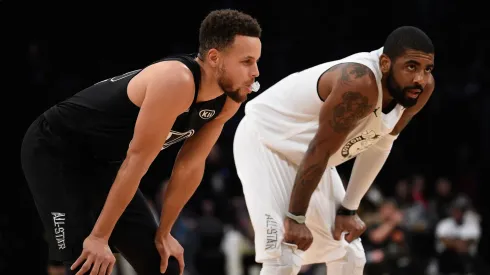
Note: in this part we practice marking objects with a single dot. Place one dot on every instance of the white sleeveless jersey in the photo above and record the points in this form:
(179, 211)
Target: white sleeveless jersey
(286, 115)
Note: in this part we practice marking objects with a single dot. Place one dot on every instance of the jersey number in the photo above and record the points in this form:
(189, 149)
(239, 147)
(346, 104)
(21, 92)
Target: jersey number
(174, 137)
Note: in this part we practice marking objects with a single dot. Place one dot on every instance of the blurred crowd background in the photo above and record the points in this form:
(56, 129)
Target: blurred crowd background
(427, 212)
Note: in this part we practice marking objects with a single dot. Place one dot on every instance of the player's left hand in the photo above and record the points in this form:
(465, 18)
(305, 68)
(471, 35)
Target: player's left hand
(351, 224)
(168, 246)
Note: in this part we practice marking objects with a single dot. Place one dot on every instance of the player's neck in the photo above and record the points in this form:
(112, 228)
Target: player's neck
(209, 88)
(387, 98)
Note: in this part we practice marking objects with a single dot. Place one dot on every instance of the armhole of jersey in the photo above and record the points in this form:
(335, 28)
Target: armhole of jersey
(318, 83)
(193, 66)
(196, 73)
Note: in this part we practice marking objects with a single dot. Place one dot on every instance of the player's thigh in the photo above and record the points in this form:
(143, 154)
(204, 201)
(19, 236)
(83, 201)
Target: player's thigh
(134, 237)
(267, 180)
(56, 182)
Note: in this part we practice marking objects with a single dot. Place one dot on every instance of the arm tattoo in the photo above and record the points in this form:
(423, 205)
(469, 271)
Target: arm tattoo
(353, 107)
(352, 71)
(309, 175)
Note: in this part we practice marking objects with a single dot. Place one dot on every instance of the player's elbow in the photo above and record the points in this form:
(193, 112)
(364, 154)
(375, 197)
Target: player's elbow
(189, 166)
(319, 151)
(325, 143)
(189, 172)
(138, 161)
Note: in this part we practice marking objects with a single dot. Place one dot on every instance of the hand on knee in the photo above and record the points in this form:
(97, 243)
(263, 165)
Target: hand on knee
(289, 263)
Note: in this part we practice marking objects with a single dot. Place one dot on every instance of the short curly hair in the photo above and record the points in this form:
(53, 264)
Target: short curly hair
(219, 28)
(407, 38)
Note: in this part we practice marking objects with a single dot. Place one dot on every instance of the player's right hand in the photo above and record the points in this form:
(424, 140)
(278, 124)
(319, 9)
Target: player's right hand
(298, 234)
(97, 255)
(352, 225)
(168, 246)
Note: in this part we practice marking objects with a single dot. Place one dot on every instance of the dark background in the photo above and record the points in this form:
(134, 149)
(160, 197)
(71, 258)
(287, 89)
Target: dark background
(65, 49)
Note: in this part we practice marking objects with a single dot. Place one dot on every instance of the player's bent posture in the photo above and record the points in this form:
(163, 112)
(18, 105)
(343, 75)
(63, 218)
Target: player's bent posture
(84, 157)
(294, 135)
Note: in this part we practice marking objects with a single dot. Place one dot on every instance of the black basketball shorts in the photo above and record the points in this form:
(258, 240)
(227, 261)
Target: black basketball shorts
(69, 191)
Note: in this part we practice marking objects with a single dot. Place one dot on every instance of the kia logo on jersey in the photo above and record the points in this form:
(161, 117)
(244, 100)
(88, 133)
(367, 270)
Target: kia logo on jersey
(206, 114)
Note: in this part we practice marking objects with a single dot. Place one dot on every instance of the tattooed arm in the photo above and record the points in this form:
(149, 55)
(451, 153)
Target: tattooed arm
(352, 97)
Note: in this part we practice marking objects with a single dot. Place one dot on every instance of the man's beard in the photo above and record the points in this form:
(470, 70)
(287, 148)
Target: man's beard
(227, 86)
(399, 93)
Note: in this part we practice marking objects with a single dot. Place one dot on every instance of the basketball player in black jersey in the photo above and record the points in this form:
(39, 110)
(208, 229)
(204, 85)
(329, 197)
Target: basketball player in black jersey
(84, 157)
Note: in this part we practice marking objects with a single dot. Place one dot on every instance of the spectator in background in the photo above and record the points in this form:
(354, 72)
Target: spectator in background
(403, 196)
(418, 190)
(238, 243)
(417, 223)
(439, 206)
(209, 257)
(416, 217)
(457, 239)
(385, 243)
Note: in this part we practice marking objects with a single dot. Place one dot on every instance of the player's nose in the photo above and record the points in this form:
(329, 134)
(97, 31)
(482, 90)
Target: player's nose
(419, 79)
(255, 70)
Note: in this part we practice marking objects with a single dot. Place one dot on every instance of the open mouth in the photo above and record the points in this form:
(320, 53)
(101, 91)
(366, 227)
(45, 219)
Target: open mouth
(249, 87)
(413, 93)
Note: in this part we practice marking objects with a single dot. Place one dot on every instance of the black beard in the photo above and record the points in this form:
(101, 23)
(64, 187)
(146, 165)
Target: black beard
(399, 94)
(226, 87)
(234, 95)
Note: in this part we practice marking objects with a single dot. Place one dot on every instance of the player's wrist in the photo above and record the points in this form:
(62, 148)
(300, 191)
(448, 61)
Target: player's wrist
(162, 233)
(301, 219)
(101, 231)
(350, 202)
(99, 236)
(344, 211)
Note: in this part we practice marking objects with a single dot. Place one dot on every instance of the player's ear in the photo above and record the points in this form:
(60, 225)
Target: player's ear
(384, 63)
(213, 57)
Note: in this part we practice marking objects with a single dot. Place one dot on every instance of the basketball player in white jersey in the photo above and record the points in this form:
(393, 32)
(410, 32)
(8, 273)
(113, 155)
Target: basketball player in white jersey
(295, 133)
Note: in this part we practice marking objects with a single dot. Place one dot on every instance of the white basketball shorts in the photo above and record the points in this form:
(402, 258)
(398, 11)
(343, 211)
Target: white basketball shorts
(267, 179)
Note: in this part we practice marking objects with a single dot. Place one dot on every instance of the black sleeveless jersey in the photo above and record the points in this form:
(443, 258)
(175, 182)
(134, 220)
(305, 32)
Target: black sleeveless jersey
(100, 119)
